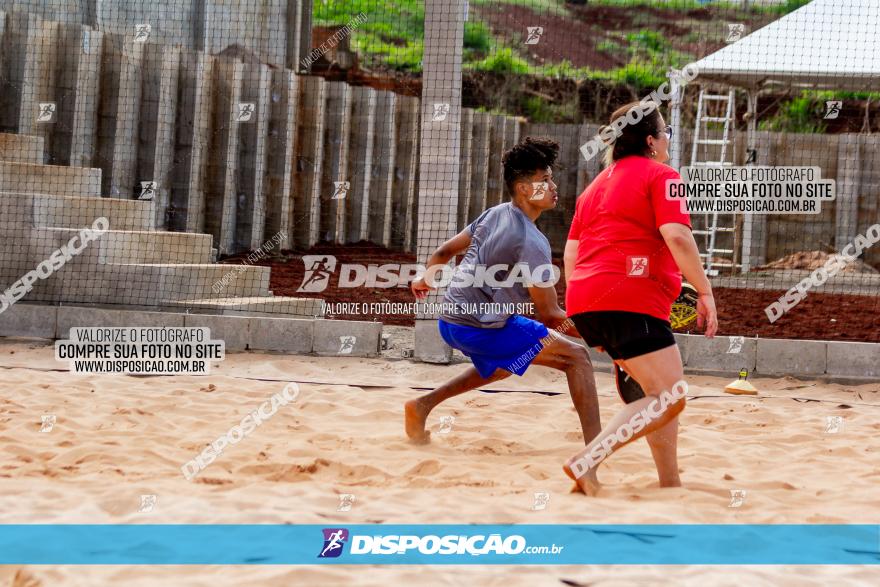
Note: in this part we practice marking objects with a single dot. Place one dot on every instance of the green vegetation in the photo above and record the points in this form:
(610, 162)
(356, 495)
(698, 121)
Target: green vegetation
(391, 36)
(540, 110)
(790, 6)
(685, 5)
(609, 46)
(477, 36)
(805, 112)
(651, 56)
(564, 70)
(556, 7)
(642, 77)
(503, 60)
(841, 95)
(802, 114)
(648, 41)
(670, 5)
(693, 37)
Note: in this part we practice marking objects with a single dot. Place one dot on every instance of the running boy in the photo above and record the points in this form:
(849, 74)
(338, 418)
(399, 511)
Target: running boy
(503, 243)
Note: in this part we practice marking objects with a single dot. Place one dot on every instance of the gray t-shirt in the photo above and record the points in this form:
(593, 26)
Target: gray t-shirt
(507, 254)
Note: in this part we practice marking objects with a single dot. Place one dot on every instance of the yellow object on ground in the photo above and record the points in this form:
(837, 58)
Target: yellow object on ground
(741, 387)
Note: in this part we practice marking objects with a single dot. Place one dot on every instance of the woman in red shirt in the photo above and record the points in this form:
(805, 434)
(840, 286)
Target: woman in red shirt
(626, 252)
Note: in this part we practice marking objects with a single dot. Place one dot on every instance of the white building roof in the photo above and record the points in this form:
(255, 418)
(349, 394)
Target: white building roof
(832, 44)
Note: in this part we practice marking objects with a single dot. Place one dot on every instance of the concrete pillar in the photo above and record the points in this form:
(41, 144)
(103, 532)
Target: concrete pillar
(512, 131)
(187, 209)
(385, 155)
(404, 190)
(158, 117)
(413, 233)
(222, 163)
(44, 80)
(480, 155)
(29, 61)
(849, 175)
(754, 226)
(466, 168)
(299, 33)
(676, 90)
(253, 131)
(281, 145)
(119, 115)
(566, 177)
(362, 155)
(199, 25)
(586, 170)
(439, 151)
(335, 184)
(17, 63)
(754, 244)
(310, 160)
(79, 73)
(495, 180)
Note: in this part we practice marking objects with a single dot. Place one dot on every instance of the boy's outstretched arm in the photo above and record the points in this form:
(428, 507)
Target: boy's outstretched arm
(442, 255)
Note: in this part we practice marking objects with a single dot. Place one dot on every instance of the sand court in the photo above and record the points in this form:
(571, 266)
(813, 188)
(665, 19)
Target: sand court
(114, 439)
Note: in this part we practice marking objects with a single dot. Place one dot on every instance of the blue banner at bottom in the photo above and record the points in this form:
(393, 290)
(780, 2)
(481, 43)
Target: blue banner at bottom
(372, 544)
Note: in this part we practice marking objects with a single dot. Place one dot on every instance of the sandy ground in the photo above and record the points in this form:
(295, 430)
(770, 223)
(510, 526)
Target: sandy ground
(116, 438)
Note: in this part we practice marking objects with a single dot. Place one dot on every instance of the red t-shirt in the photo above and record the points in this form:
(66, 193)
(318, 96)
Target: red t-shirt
(623, 263)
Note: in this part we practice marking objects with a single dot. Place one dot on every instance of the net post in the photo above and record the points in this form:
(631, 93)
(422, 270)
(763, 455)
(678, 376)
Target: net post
(439, 152)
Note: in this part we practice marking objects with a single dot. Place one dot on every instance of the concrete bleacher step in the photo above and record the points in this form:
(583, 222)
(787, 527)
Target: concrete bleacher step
(21, 148)
(178, 281)
(144, 284)
(274, 306)
(130, 246)
(161, 274)
(23, 249)
(57, 180)
(18, 208)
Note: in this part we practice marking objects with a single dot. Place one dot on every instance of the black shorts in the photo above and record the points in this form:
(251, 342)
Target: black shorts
(624, 335)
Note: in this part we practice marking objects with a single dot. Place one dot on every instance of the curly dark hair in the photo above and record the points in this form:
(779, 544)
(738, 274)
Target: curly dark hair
(531, 155)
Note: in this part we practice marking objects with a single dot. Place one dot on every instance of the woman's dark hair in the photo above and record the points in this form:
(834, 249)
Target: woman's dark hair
(632, 139)
(531, 155)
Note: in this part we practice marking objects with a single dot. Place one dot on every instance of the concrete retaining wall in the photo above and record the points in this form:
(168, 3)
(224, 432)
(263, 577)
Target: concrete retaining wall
(152, 111)
(272, 29)
(290, 335)
(804, 359)
(824, 360)
(130, 265)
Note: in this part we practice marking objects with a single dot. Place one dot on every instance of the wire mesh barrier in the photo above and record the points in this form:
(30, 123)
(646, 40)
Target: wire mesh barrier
(303, 159)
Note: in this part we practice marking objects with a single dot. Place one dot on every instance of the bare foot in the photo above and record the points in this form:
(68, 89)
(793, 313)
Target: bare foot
(415, 416)
(588, 483)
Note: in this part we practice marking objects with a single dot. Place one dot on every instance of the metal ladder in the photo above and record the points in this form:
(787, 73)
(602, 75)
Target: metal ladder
(710, 233)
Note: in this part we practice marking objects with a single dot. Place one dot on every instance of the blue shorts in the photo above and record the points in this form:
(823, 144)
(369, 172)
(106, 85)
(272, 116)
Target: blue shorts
(511, 347)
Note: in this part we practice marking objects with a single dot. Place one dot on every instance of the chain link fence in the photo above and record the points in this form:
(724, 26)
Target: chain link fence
(302, 158)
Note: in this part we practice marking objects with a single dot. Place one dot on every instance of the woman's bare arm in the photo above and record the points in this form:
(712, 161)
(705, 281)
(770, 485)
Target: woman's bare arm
(684, 250)
(568, 258)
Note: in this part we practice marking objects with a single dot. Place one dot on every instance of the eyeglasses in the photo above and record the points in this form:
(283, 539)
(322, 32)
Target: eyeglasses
(668, 131)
